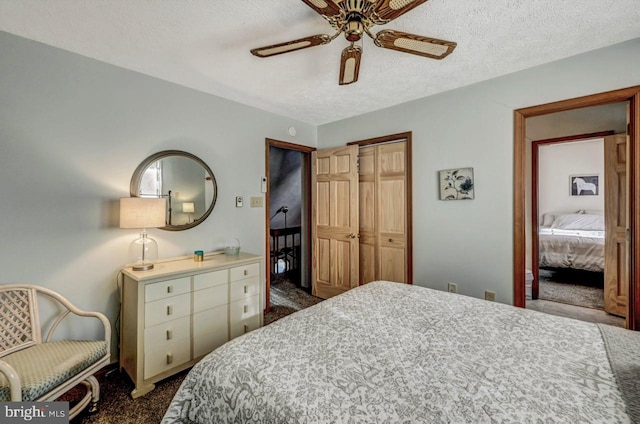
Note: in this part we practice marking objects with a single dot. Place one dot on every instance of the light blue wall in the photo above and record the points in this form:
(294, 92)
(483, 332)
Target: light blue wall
(73, 130)
(471, 242)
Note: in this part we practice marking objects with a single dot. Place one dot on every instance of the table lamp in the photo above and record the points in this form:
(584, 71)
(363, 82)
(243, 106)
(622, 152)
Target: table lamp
(142, 213)
(188, 208)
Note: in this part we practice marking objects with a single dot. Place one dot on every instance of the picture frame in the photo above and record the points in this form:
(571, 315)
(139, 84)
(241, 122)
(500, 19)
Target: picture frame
(584, 185)
(457, 184)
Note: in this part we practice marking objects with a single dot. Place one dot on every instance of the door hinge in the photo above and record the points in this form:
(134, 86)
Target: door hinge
(628, 232)
(358, 164)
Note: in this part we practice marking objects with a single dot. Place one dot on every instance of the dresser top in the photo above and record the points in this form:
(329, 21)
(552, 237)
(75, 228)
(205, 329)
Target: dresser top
(186, 265)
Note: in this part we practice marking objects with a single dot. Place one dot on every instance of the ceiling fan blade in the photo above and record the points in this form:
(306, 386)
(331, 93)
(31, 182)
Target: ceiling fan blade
(414, 44)
(388, 10)
(327, 8)
(290, 46)
(350, 65)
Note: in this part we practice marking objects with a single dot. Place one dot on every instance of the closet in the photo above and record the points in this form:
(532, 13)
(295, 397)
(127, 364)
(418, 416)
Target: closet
(361, 214)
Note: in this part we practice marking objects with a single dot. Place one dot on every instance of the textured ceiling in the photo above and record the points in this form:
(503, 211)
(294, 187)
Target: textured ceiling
(204, 44)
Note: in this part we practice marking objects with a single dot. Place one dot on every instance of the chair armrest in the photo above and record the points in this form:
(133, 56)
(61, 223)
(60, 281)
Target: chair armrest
(73, 309)
(14, 381)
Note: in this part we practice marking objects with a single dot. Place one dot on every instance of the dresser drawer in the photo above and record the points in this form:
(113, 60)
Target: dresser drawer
(162, 335)
(244, 288)
(242, 272)
(244, 308)
(168, 309)
(210, 279)
(210, 330)
(166, 357)
(210, 298)
(239, 328)
(167, 288)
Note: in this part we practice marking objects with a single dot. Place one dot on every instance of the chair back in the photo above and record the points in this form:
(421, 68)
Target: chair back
(19, 322)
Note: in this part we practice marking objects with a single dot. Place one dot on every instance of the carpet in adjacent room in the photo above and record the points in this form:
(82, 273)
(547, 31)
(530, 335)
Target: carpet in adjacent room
(572, 286)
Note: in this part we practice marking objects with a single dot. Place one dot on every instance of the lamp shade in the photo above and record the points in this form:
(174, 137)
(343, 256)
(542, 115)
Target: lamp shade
(141, 212)
(188, 207)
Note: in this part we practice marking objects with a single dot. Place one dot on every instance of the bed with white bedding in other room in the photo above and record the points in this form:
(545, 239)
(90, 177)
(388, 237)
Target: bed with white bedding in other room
(572, 240)
(395, 353)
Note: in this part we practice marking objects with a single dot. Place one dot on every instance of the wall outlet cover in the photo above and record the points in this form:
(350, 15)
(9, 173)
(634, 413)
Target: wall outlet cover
(257, 201)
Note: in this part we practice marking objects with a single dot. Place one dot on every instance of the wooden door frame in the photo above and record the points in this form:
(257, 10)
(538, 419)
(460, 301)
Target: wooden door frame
(306, 160)
(632, 95)
(535, 145)
(405, 136)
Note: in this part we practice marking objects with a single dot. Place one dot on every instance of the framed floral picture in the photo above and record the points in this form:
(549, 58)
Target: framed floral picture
(457, 184)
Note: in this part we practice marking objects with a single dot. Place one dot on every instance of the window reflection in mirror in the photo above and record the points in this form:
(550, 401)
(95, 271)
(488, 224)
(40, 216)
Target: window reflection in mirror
(187, 184)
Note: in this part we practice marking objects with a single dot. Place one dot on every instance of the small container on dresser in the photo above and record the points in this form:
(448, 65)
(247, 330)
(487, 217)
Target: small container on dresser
(181, 310)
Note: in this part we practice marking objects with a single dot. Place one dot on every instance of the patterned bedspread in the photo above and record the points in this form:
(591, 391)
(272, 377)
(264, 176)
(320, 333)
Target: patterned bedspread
(394, 353)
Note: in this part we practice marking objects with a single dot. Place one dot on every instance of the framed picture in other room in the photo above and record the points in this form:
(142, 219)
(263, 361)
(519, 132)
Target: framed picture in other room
(457, 184)
(584, 185)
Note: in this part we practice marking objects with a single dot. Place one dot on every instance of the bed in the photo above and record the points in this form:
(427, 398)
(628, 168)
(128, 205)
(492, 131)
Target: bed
(395, 353)
(572, 240)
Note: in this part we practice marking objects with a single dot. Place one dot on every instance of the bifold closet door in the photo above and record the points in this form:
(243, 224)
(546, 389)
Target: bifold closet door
(383, 213)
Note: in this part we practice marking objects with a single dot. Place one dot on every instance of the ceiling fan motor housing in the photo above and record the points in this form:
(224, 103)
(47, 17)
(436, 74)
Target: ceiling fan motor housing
(354, 28)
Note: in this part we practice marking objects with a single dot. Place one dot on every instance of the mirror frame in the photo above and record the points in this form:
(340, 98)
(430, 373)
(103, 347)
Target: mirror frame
(134, 186)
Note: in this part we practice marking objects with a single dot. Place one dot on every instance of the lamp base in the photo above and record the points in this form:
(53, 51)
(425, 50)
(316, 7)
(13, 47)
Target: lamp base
(143, 267)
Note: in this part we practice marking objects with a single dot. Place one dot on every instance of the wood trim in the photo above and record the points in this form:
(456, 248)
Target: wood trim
(290, 146)
(384, 139)
(306, 159)
(519, 196)
(632, 95)
(599, 99)
(633, 314)
(405, 136)
(535, 286)
(571, 138)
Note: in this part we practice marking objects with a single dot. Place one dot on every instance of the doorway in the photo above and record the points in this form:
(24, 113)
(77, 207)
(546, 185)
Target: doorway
(287, 213)
(522, 221)
(572, 195)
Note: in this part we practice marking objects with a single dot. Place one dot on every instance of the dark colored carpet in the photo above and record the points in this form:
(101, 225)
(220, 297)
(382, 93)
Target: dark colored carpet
(116, 404)
(575, 287)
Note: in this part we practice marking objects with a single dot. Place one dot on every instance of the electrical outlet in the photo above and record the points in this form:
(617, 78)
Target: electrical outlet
(490, 296)
(452, 288)
(257, 202)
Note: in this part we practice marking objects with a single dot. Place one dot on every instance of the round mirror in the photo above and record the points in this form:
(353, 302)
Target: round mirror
(185, 181)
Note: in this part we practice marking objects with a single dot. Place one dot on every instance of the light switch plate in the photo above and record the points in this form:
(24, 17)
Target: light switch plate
(238, 201)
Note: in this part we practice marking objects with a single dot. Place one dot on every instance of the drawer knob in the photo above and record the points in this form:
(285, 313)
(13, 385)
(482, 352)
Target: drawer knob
(246, 289)
(246, 309)
(169, 309)
(169, 358)
(169, 334)
(246, 328)
(169, 289)
(246, 272)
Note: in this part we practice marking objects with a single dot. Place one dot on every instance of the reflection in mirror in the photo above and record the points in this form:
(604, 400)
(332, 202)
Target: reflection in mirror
(185, 181)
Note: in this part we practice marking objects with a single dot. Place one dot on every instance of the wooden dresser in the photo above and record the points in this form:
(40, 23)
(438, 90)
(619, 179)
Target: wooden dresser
(173, 315)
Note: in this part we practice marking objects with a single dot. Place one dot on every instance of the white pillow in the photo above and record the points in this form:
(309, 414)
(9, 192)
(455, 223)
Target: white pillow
(575, 221)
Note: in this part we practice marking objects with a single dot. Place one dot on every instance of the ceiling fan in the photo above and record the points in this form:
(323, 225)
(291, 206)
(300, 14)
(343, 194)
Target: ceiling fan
(355, 18)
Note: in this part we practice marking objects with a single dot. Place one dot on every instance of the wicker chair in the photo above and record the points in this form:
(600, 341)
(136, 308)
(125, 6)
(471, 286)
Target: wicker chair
(33, 370)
